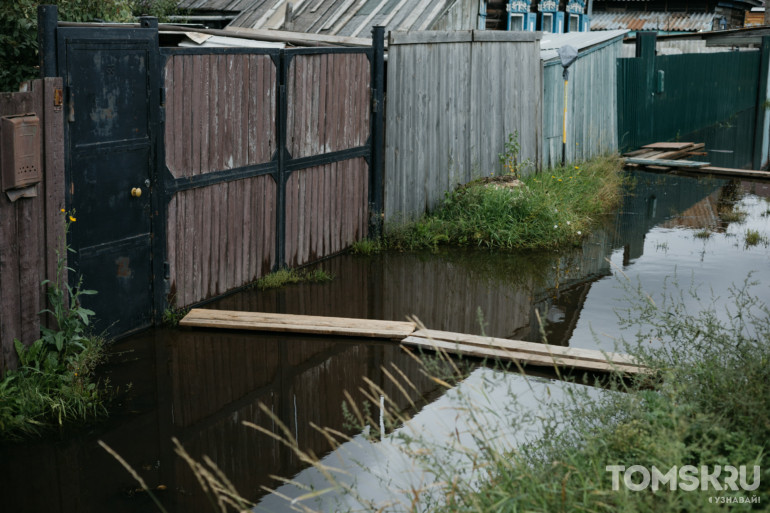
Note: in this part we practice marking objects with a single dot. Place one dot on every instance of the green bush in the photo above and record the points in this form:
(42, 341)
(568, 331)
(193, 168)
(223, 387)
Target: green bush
(18, 29)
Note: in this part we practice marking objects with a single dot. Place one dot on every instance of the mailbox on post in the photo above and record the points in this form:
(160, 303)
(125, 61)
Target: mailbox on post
(20, 160)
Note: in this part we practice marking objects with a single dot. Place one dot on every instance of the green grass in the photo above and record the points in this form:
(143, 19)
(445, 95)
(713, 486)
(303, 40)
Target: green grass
(711, 407)
(703, 234)
(51, 391)
(552, 209)
(366, 247)
(172, 316)
(753, 237)
(54, 385)
(284, 277)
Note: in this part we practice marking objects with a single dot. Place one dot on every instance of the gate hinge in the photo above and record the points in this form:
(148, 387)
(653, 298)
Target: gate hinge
(375, 103)
(166, 271)
(163, 96)
(163, 114)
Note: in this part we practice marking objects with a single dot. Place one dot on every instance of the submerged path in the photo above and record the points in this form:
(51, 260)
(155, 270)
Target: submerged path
(407, 333)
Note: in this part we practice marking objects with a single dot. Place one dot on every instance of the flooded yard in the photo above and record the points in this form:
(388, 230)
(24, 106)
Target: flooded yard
(200, 385)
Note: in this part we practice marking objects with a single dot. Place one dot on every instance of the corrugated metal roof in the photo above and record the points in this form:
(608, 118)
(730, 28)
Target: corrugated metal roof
(664, 21)
(580, 40)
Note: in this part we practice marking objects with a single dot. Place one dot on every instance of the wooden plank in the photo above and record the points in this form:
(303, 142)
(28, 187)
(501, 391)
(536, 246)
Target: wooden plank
(429, 36)
(244, 102)
(255, 135)
(168, 73)
(521, 357)
(665, 162)
(298, 38)
(205, 112)
(525, 347)
(498, 36)
(178, 115)
(749, 173)
(260, 321)
(205, 243)
(54, 181)
(196, 107)
(668, 145)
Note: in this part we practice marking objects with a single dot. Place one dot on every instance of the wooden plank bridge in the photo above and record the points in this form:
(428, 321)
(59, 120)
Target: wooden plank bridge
(408, 334)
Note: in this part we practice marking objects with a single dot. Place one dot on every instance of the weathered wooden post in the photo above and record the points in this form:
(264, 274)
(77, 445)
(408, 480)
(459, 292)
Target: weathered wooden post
(378, 129)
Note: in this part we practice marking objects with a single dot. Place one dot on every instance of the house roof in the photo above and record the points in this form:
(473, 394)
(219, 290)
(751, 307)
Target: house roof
(653, 20)
(331, 17)
(580, 40)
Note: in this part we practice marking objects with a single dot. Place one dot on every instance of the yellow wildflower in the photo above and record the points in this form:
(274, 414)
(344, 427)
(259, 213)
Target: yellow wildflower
(63, 210)
(72, 219)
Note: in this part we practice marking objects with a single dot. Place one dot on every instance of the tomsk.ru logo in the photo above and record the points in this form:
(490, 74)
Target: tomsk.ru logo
(687, 477)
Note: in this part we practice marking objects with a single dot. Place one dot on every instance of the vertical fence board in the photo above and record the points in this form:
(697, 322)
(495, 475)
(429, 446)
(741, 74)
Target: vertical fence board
(195, 116)
(205, 114)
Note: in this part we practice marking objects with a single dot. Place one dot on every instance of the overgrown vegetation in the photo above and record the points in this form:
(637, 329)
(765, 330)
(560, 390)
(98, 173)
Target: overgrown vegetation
(54, 384)
(18, 29)
(710, 408)
(541, 211)
(283, 277)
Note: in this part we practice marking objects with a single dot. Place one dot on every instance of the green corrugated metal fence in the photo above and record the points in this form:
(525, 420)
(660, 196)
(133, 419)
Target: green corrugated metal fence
(711, 98)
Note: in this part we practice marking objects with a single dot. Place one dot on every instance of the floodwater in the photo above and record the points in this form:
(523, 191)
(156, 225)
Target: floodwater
(198, 386)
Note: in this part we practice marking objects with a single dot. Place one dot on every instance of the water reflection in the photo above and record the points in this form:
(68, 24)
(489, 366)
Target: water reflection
(200, 385)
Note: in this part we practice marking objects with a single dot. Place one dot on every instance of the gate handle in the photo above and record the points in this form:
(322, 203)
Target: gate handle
(136, 192)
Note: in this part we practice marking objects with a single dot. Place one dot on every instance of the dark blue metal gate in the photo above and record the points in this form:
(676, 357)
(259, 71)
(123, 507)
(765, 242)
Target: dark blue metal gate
(111, 119)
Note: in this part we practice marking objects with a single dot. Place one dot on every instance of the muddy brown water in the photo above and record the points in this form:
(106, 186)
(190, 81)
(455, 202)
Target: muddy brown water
(199, 385)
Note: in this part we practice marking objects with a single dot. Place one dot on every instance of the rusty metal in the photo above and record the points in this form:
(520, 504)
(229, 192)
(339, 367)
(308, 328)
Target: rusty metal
(20, 151)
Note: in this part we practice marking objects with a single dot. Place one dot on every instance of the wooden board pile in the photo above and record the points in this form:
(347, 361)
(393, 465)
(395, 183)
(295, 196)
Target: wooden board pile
(673, 156)
(666, 155)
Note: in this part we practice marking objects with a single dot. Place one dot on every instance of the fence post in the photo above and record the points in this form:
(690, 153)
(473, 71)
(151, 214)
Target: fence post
(281, 177)
(47, 19)
(759, 130)
(378, 129)
(645, 49)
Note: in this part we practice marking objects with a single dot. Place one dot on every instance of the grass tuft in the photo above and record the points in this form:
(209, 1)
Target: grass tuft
(543, 211)
(366, 247)
(284, 277)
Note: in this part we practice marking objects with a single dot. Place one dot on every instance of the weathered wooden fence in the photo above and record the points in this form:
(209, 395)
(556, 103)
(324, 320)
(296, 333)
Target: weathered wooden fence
(31, 228)
(268, 154)
(592, 102)
(453, 99)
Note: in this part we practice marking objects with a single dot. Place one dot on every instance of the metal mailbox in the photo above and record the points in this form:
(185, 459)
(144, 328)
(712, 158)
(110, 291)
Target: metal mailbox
(20, 151)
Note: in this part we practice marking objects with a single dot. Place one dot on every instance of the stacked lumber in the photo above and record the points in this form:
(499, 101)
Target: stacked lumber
(672, 156)
(666, 155)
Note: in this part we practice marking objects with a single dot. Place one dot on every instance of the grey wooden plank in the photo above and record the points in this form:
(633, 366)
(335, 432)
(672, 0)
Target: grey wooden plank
(499, 36)
(427, 36)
